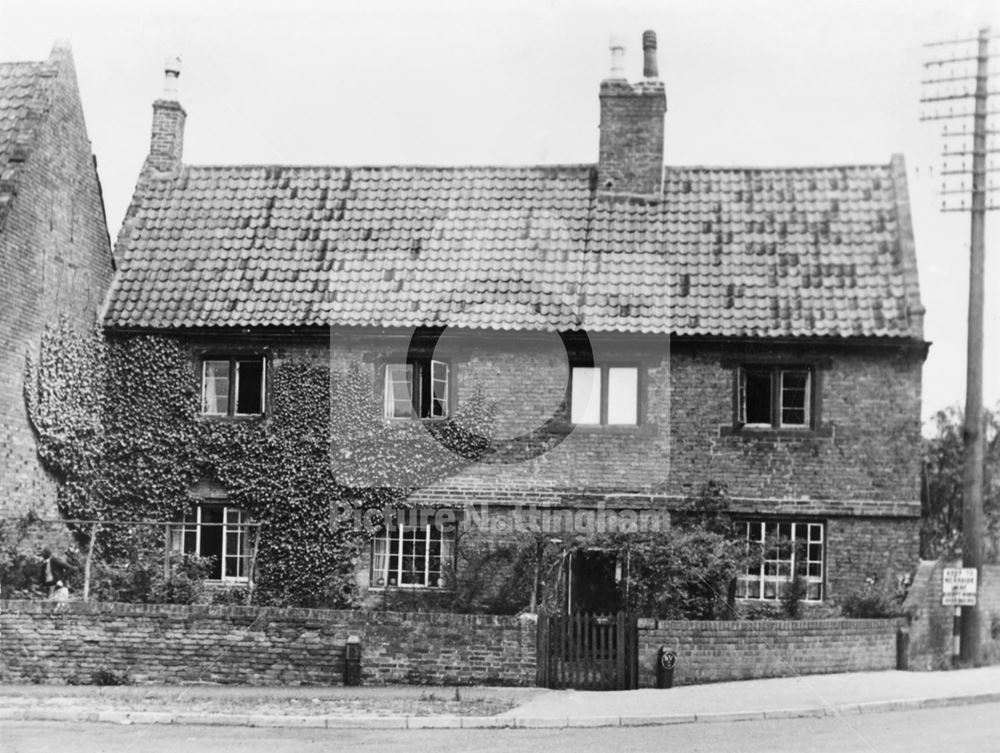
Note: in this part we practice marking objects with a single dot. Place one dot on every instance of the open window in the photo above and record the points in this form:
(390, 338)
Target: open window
(776, 397)
(220, 531)
(419, 388)
(233, 386)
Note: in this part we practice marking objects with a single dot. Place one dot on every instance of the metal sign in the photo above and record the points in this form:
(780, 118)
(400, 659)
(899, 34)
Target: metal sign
(959, 586)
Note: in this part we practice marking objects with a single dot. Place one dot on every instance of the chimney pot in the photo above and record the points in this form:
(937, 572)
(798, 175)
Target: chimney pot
(617, 46)
(172, 71)
(649, 67)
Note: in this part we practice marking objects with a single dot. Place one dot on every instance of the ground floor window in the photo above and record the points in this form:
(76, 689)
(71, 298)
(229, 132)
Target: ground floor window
(412, 554)
(221, 532)
(779, 552)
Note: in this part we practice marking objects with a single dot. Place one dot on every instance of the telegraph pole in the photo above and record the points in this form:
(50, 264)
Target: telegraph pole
(951, 81)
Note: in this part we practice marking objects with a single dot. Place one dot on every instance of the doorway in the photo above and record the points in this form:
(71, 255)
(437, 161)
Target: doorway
(594, 575)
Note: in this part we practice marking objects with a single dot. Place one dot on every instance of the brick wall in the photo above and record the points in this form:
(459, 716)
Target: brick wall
(54, 643)
(931, 623)
(866, 465)
(721, 651)
(55, 258)
(860, 478)
(631, 143)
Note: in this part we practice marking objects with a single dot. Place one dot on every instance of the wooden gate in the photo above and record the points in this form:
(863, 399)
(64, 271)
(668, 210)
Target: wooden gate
(588, 651)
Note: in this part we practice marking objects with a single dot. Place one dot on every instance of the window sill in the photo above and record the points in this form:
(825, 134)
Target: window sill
(776, 601)
(432, 589)
(226, 582)
(770, 432)
(389, 421)
(637, 430)
(230, 419)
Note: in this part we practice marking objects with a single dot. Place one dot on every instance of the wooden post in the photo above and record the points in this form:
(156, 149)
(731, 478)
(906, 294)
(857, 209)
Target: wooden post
(86, 565)
(166, 552)
(972, 481)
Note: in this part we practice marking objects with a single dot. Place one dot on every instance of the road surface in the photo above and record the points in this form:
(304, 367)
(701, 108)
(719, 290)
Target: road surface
(973, 728)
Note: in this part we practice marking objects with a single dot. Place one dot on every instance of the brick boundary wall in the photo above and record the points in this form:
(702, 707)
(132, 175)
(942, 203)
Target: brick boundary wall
(722, 651)
(49, 642)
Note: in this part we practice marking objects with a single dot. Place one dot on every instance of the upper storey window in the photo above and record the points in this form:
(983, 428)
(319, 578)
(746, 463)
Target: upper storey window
(418, 389)
(234, 386)
(775, 396)
(604, 395)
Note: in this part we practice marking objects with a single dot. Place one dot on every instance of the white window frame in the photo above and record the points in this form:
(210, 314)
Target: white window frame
(240, 529)
(388, 544)
(807, 398)
(437, 375)
(602, 377)
(777, 392)
(389, 392)
(233, 385)
(769, 579)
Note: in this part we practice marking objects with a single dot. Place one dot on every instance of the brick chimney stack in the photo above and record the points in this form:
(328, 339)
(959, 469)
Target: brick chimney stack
(631, 145)
(166, 144)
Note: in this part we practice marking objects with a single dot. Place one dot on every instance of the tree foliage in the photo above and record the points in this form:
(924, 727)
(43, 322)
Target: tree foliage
(941, 487)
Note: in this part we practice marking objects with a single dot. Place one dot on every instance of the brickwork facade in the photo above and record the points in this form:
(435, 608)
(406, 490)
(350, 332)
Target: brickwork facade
(855, 473)
(55, 259)
(69, 642)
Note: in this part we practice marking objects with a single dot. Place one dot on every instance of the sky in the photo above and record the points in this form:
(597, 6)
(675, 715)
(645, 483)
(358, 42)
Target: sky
(749, 83)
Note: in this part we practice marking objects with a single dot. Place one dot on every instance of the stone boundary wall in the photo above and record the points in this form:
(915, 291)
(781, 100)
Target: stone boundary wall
(743, 650)
(49, 642)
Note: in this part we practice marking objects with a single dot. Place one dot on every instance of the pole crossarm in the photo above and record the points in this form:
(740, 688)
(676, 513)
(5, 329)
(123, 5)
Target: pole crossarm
(954, 116)
(968, 40)
(949, 61)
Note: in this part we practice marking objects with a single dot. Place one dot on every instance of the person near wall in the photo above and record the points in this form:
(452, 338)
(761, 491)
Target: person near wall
(57, 570)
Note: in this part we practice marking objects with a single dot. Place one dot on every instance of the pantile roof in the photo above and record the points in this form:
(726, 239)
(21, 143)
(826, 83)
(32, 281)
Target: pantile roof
(776, 252)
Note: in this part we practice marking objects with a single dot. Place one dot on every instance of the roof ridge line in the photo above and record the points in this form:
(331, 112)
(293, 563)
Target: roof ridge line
(302, 166)
(782, 168)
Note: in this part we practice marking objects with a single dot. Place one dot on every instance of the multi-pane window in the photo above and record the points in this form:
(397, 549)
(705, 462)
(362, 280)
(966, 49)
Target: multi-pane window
(233, 386)
(774, 396)
(778, 552)
(417, 389)
(604, 395)
(411, 556)
(221, 532)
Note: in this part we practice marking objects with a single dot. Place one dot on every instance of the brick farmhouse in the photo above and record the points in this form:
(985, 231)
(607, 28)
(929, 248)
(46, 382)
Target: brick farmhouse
(640, 329)
(55, 254)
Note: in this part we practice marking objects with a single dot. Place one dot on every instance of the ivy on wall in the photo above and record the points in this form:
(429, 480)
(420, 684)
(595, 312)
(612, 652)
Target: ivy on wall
(118, 422)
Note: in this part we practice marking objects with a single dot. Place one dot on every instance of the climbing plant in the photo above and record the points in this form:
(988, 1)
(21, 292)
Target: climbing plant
(118, 422)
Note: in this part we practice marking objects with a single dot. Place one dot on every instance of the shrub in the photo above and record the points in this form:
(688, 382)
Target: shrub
(870, 601)
(140, 579)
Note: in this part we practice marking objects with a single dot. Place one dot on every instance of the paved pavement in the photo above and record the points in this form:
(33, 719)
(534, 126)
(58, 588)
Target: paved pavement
(808, 696)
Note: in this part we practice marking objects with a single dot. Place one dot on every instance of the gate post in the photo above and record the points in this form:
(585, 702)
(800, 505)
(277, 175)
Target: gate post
(542, 651)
